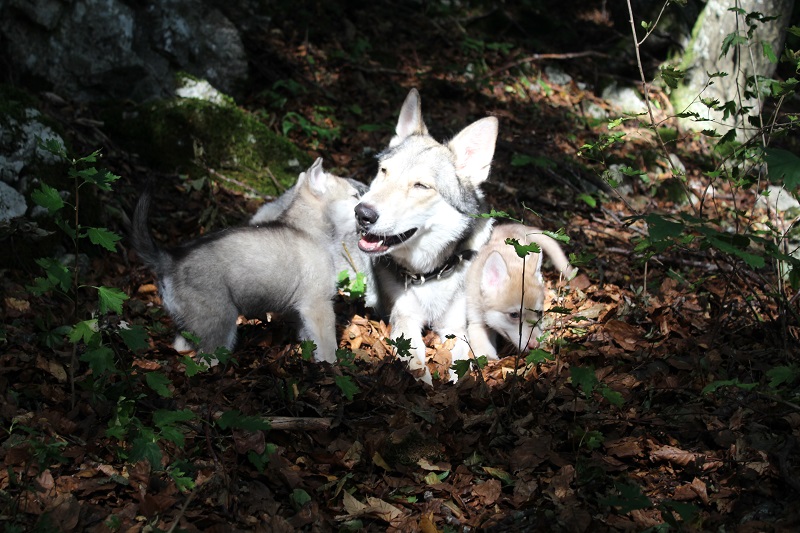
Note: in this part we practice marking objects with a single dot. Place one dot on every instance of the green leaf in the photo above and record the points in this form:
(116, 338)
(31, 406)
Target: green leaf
(111, 299)
(173, 434)
(588, 199)
(159, 382)
(85, 331)
(103, 237)
(47, 197)
(538, 356)
(182, 481)
(661, 229)
(732, 39)
(613, 397)
(100, 359)
(780, 375)
(307, 348)
(769, 53)
(134, 337)
(584, 378)
(461, 367)
(714, 385)
(299, 497)
(523, 250)
(500, 474)
(261, 460)
(144, 448)
(236, 420)
(630, 498)
(671, 76)
(402, 345)
(166, 417)
(784, 167)
(346, 386)
(193, 367)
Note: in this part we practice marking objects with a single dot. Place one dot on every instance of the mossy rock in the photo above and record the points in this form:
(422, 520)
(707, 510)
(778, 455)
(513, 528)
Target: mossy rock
(190, 136)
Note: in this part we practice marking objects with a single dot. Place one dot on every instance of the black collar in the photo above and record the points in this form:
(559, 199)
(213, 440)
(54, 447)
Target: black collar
(416, 278)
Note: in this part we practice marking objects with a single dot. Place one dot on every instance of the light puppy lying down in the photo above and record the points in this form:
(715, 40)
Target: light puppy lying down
(284, 266)
(496, 302)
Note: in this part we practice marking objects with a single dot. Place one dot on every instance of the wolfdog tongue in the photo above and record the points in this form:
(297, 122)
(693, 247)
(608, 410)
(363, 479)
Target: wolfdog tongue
(371, 243)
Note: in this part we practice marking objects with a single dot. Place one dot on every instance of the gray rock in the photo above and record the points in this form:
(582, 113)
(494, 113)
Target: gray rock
(98, 49)
(12, 203)
(20, 144)
(556, 75)
(625, 99)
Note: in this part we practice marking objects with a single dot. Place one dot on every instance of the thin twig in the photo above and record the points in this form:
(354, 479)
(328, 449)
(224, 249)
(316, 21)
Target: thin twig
(183, 510)
(539, 57)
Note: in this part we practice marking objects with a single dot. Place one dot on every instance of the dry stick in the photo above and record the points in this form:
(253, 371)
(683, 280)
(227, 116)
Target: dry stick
(183, 510)
(288, 423)
(539, 57)
(234, 181)
(275, 180)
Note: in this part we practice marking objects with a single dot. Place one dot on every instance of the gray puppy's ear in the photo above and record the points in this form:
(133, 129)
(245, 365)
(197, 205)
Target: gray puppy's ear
(317, 178)
(410, 121)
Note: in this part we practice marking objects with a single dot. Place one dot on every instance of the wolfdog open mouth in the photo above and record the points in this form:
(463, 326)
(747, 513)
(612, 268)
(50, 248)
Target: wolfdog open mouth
(373, 244)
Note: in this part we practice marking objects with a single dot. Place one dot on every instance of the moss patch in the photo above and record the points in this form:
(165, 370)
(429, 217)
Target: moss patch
(190, 136)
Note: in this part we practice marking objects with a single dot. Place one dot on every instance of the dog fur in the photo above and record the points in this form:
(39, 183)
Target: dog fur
(417, 222)
(499, 299)
(284, 266)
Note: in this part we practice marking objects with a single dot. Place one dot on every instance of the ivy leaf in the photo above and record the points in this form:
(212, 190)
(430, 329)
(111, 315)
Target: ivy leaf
(783, 166)
(732, 39)
(613, 397)
(111, 298)
(159, 383)
(47, 197)
(103, 237)
(346, 385)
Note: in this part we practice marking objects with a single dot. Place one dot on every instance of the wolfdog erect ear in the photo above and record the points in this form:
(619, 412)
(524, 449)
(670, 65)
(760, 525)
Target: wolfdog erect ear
(410, 121)
(474, 148)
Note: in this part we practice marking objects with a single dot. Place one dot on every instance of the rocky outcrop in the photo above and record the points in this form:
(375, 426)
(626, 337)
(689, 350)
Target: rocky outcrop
(102, 49)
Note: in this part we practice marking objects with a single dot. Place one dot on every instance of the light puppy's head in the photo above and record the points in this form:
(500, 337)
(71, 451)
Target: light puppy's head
(414, 209)
(506, 307)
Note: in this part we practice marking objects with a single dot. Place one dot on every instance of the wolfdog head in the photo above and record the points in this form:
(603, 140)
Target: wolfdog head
(418, 206)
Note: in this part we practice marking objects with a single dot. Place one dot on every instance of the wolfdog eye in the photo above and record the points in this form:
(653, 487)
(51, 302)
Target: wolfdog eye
(514, 315)
(419, 185)
(383, 170)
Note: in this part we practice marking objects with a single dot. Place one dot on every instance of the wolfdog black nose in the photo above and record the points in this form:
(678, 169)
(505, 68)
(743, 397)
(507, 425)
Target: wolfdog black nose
(365, 215)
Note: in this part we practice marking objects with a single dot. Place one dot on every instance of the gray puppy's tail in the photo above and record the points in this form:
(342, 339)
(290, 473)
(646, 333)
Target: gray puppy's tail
(150, 253)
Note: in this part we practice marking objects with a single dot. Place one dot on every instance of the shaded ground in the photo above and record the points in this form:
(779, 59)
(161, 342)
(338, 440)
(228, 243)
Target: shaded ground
(614, 433)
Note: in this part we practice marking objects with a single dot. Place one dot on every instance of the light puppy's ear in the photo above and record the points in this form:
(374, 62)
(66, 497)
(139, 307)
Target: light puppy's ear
(410, 121)
(473, 149)
(495, 273)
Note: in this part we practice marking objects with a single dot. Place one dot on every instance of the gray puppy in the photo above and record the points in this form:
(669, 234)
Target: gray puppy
(347, 256)
(284, 266)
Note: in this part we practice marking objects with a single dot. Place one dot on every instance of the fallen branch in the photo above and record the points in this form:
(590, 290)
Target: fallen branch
(289, 423)
(539, 57)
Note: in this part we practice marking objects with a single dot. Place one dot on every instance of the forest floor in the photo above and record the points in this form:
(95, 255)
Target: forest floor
(655, 408)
